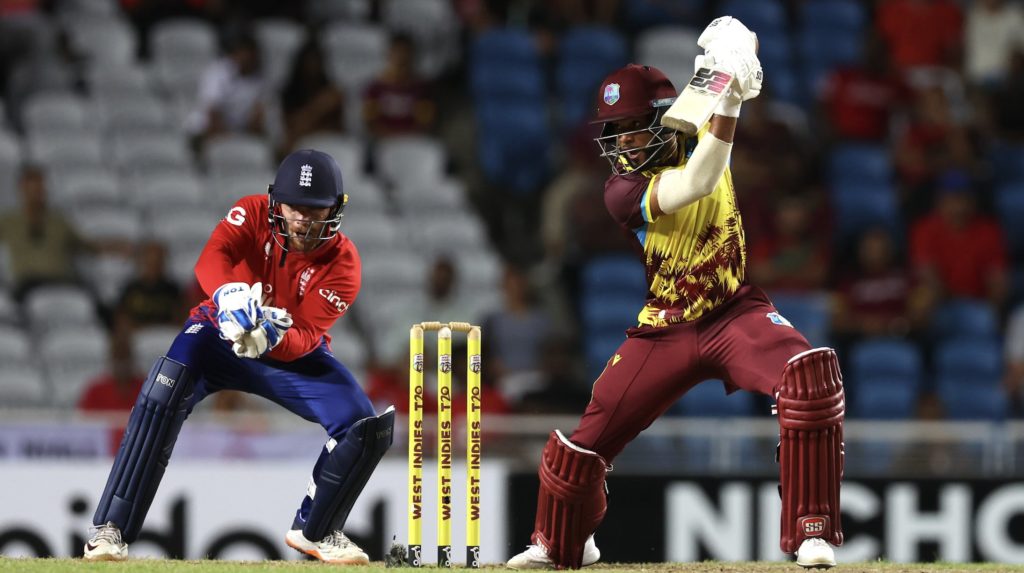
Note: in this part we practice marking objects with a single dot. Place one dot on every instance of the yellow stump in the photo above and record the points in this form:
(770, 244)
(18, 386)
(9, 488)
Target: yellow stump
(416, 392)
(444, 447)
(474, 426)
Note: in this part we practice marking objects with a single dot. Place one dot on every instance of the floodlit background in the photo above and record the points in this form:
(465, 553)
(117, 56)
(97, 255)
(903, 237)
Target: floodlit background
(880, 177)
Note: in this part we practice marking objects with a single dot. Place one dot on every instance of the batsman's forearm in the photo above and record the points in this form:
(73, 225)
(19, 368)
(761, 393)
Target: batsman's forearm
(677, 188)
(723, 127)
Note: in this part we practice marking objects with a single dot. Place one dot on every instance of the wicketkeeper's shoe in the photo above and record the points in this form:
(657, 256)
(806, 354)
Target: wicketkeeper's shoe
(815, 553)
(106, 544)
(334, 548)
(535, 557)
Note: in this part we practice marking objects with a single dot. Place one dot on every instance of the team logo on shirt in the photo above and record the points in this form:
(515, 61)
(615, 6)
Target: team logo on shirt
(304, 280)
(306, 176)
(616, 358)
(611, 94)
(778, 319)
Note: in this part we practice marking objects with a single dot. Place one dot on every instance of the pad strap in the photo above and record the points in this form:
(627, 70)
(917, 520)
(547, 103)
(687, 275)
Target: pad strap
(145, 451)
(811, 406)
(571, 502)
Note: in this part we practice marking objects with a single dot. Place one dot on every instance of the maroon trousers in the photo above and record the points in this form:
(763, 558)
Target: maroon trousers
(744, 342)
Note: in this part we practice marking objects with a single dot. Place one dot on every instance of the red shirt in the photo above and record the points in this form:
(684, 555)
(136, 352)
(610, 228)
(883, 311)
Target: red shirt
(859, 103)
(963, 258)
(397, 108)
(104, 394)
(315, 287)
(920, 32)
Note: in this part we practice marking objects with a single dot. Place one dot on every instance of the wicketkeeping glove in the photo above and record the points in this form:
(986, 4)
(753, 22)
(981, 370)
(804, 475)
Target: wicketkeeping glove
(238, 308)
(273, 324)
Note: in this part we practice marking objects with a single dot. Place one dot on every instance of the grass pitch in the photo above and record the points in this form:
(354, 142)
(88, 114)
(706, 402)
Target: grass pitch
(171, 566)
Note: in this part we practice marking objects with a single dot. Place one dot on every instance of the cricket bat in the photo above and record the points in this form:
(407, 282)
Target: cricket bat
(698, 100)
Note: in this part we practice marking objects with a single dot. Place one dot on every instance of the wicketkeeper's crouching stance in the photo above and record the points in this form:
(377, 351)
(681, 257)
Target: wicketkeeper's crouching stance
(702, 320)
(271, 252)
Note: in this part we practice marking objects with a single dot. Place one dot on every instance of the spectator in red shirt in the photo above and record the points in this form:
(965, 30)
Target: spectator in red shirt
(399, 102)
(957, 252)
(860, 100)
(793, 258)
(921, 32)
(876, 296)
(116, 389)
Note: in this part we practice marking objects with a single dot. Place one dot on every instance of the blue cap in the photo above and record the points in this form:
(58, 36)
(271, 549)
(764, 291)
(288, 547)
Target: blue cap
(310, 178)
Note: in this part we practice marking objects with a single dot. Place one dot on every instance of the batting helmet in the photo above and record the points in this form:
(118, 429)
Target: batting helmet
(307, 178)
(634, 92)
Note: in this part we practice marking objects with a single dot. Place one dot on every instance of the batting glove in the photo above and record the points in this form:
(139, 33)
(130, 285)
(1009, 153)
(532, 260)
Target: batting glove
(238, 308)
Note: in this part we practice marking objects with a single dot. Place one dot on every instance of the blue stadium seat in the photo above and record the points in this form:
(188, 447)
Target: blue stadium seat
(508, 46)
(775, 52)
(965, 318)
(859, 206)
(609, 310)
(493, 82)
(599, 348)
(1009, 202)
(844, 15)
(969, 379)
(758, 15)
(618, 273)
(860, 163)
(883, 399)
(586, 55)
(809, 313)
(640, 14)
(709, 399)
(1008, 163)
(886, 358)
(829, 48)
(513, 144)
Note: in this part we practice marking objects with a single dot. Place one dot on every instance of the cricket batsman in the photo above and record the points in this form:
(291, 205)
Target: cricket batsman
(701, 320)
(278, 273)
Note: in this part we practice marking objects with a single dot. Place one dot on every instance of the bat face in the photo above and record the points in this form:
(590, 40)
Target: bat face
(697, 101)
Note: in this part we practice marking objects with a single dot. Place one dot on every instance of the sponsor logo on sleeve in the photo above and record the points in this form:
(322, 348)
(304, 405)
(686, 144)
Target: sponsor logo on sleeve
(334, 299)
(236, 216)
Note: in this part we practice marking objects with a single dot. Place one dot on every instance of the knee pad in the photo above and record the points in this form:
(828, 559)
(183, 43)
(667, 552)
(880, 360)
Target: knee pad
(145, 451)
(345, 471)
(811, 408)
(571, 502)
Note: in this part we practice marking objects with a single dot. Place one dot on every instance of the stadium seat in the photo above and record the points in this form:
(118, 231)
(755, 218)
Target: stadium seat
(185, 39)
(1009, 203)
(123, 115)
(22, 386)
(120, 82)
(373, 232)
(348, 347)
(508, 46)
(969, 378)
(965, 318)
(436, 198)
(349, 152)
(56, 111)
(514, 140)
(434, 28)
(708, 399)
(860, 164)
(859, 206)
(66, 148)
(758, 15)
(189, 228)
(884, 379)
(615, 273)
(279, 40)
(104, 40)
(83, 186)
(106, 275)
(15, 345)
(669, 47)
(72, 357)
(395, 270)
(585, 56)
(434, 236)
(808, 312)
(411, 160)
(108, 222)
(237, 152)
(132, 153)
(489, 82)
(1007, 162)
(643, 14)
(482, 270)
(355, 53)
(166, 192)
(50, 306)
(151, 343)
(848, 16)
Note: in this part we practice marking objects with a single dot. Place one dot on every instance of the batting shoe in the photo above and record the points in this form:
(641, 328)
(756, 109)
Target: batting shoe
(535, 557)
(106, 544)
(815, 553)
(334, 548)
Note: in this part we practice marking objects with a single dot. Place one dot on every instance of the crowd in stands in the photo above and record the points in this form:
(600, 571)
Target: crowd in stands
(880, 177)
